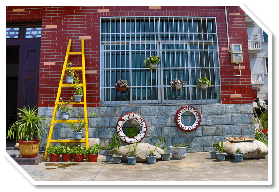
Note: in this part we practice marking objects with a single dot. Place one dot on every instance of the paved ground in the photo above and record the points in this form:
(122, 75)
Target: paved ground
(195, 167)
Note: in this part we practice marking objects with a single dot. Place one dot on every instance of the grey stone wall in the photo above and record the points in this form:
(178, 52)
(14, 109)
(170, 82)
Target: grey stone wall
(218, 122)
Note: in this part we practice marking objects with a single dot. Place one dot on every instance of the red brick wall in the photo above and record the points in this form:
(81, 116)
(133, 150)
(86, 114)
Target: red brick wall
(63, 23)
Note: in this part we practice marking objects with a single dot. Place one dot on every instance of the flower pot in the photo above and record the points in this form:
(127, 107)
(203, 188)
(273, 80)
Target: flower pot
(66, 157)
(117, 159)
(78, 157)
(29, 149)
(221, 156)
(65, 115)
(92, 157)
(213, 154)
(78, 98)
(54, 157)
(178, 152)
(238, 157)
(122, 89)
(178, 86)
(153, 66)
(70, 79)
(109, 158)
(151, 159)
(132, 160)
(166, 156)
(204, 86)
(77, 135)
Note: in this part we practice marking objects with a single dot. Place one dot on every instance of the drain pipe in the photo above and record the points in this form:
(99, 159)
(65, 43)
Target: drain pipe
(227, 28)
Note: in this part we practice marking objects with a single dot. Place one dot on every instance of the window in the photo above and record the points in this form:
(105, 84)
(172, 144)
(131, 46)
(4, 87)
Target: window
(23, 31)
(266, 65)
(188, 48)
(265, 37)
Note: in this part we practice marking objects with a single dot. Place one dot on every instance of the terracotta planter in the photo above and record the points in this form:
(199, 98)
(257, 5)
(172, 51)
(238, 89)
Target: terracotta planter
(54, 157)
(122, 89)
(29, 149)
(66, 157)
(78, 157)
(92, 157)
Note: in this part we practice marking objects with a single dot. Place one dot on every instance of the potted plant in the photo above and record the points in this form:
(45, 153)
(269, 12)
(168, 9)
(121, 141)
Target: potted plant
(179, 150)
(92, 152)
(220, 154)
(121, 85)
(238, 156)
(66, 153)
(116, 142)
(165, 155)
(204, 83)
(71, 73)
(79, 153)
(79, 91)
(213, 153)
(131, 132)
(54, 153)
(77, 129)
(28, 131)
(132, 158)
(152, 62)
(178, 84)
(107, 153)
(64, 109)
(151, 158)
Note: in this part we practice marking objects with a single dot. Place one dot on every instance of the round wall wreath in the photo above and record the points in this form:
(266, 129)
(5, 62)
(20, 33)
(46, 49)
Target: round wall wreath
(127, 117)
(183, 110)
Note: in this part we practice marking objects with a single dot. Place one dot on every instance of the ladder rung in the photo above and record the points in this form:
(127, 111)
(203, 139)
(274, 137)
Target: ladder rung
(71, 85)
(68, 121)
(75, 68)
(75, 53)
(68, 141)
(71, 103)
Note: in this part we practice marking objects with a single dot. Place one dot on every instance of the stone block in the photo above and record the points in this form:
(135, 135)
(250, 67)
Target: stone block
(168, 110)
(187, 140)
(221, 119)
(242, 118)
(149, 110)
(106, 132)
(212, 130)
(246, 108)
(231, 129)
(229, 109)
(206, 120)
(107, 111)
(205, 141)
(154, 132)
(214, 109)
(248, 129)
(93, 132)
(162, 121)
(169, 131)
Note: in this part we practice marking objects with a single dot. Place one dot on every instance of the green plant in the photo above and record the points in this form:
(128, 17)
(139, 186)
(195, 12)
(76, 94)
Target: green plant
(264, 121)
(152, 152)
(79, 90)
(133, 152)
(152, 60)
(29, 126)
(216, 146)
(63, 106)
(121, 83)
(116, 142)
(180, 144)
(80, 125)
(176, 81)
(238, 151)
(94, 149)
(204, 81)
(54, 149)
(71, 70)
(65, 150)
(164, 141)
(219, 147)
(131, 131)
(78, 150)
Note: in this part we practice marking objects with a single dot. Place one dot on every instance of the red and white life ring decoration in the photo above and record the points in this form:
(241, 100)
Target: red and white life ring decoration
(183, 110)
(127, 117)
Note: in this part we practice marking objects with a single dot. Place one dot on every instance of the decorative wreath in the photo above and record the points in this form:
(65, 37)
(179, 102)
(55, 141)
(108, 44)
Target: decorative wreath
(127, 117)
(183, 110)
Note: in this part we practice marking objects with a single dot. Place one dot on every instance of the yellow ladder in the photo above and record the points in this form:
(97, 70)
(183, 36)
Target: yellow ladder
(83, 84)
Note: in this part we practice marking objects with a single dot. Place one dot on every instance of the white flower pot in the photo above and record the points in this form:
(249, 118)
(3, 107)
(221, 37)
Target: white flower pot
(204, 86)
(178, 86)
(178, 152)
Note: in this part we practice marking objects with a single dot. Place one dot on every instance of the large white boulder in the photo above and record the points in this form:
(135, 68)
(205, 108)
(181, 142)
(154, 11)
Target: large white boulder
(251, 149)
(141, 151)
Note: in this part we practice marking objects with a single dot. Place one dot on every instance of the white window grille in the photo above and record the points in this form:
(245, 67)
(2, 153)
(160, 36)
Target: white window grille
(188, 48)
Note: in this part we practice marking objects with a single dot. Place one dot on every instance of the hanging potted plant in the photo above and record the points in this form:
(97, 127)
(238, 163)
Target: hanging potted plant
(204, 83)
(79, 91)
(71, 73)
(165, 155)
(64, 109)
(151, 158)
(66, 153)
(92, 152)
(179, 150)
(221, 155)
(79, 153)
(152, 62)
(178, 84)
(77, 129)
(238, 156)
(54, 153)
(121, 85)
(28, 131)
(132, 158)
(116, 142)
